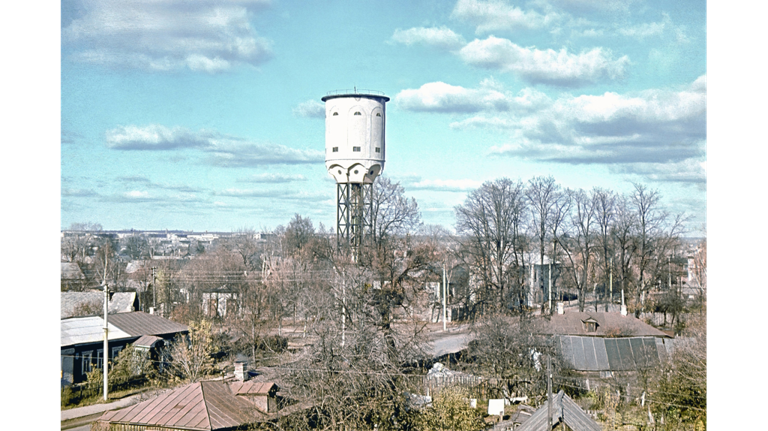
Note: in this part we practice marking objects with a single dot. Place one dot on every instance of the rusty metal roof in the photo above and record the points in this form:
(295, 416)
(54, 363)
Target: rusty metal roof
(208, 405)
(253, 388)
(138, 323)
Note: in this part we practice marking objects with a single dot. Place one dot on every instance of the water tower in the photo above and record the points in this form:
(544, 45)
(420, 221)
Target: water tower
(354, 156)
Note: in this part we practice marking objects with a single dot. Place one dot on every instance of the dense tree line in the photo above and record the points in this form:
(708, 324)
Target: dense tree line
(602, 242)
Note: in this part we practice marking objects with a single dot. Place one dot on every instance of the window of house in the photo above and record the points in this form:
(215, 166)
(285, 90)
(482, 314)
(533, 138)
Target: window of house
(99, 358)
(116, 351)
(335, 149)
(356, 149)
(85, 361)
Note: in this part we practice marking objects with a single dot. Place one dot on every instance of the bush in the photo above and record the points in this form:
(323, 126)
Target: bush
(66, 396)
(273, 343)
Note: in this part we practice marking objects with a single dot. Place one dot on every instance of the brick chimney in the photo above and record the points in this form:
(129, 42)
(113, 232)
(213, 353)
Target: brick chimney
(240, 370)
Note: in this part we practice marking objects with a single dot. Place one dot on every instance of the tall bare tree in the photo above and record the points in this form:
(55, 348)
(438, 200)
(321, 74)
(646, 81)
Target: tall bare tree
(494, 220)
(578, 248)
(392, 213)
(542, 194)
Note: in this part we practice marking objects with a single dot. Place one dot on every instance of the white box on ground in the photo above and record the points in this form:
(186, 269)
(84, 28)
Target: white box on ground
(496, 407)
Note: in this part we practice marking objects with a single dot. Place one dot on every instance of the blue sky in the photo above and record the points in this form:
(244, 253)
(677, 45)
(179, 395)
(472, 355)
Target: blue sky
(207, 115)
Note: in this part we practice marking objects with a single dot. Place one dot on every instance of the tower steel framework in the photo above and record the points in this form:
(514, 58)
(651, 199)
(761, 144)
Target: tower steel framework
(354, 206)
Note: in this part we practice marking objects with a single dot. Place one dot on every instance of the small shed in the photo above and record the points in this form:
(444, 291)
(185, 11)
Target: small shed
(564, 410)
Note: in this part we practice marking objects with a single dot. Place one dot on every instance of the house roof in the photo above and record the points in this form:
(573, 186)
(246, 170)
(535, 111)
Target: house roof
(253, 388)
(121, 302)
(613, 354)
(146, 341)
(138, 323)
(208, 405)
(563, 409)
(71, 271)
(81, 330)
(608, 324)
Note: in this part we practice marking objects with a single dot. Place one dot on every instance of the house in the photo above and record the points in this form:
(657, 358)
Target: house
(82, 339)
(74, 303)
(564, 411)
(72, 277)
(206, 405)
(604, 343)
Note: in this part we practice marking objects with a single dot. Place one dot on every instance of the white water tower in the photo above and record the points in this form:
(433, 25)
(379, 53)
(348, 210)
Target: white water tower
(355, 124)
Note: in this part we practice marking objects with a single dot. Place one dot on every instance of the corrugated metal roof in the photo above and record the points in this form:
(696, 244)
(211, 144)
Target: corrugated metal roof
(121, 302)
(79, 330)
(565, 409)
(612, 354)
(138, 323)
(197, 406)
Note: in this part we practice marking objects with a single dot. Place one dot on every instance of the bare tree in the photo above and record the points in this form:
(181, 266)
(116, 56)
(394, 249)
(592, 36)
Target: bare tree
(392, 213)
(542, 194)
(604, 216)
(192, 355)
(493, 218)
(578, 248)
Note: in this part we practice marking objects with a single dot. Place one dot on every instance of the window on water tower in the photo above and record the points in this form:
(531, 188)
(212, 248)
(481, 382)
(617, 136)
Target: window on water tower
(335, 114)
(358, 113)
(378, 149)
(378, 114)
(357, 149)
(335, 149)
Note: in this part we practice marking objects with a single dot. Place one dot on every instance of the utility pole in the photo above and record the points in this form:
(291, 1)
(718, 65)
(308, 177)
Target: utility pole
(343, 307)
(550, 287)
(549, 391)
(610, 271)
(445, 294)
(105, 354)
(154, 290)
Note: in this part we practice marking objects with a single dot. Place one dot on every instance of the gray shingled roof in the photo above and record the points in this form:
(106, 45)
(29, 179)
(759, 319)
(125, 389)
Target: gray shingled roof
(565, 409)
(208, 405)
(121, 302)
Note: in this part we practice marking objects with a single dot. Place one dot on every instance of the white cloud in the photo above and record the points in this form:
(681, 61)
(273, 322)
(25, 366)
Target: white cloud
(274, 178)
(650, 29)
(658, 126)
(136, 194)
(437, 37)
(310, 109)
(444, 185)
(498, 15)
(167, 34)
(223, 150)
(490, 96)
(552, 67)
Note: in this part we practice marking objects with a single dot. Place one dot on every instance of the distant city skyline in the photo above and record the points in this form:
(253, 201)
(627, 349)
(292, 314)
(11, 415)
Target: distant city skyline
(207, 115)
